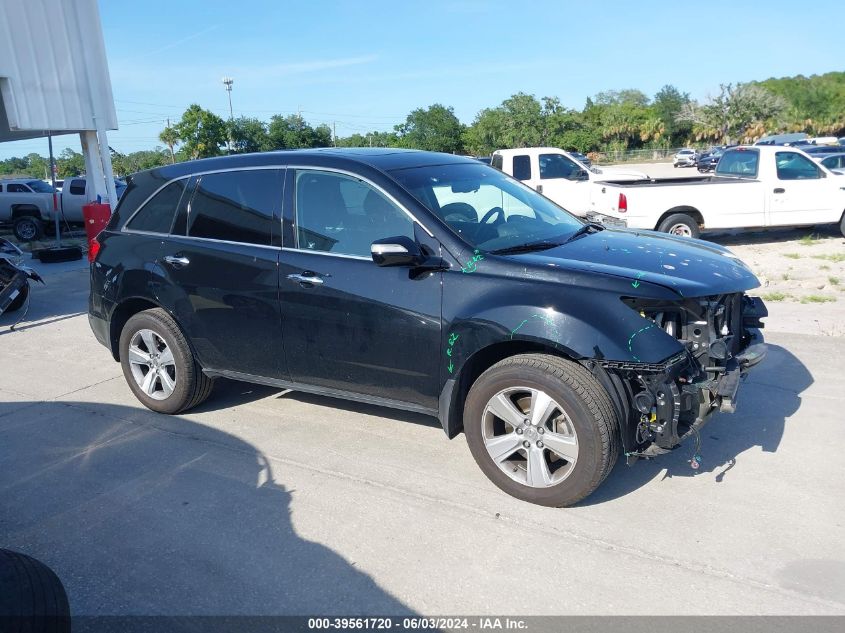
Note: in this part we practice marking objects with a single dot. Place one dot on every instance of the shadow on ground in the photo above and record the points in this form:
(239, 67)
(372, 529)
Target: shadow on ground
(771, 236)
(770, 394)
(140, 520)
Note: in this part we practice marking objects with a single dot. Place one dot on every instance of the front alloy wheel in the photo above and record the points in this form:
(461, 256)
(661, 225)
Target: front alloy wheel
(530, 437)
(542, 428)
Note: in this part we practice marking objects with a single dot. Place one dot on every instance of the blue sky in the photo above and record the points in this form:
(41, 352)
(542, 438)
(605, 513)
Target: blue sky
(364, 65)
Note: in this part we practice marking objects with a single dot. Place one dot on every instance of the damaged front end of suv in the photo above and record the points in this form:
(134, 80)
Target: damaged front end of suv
(663, 404)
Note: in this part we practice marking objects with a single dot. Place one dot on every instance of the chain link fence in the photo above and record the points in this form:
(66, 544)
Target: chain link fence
(633, 155)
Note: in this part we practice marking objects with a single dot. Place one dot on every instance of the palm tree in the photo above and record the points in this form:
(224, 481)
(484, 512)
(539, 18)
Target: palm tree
(169, 137)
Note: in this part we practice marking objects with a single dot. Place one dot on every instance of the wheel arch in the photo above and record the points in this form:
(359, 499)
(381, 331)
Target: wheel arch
(694, 213)
(455, 392)
(25, 211)
(124, 311)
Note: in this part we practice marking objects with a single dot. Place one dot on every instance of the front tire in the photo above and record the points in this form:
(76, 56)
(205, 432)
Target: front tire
(842, 224)
(542, 429)
(28, 229)
(680, 224)
(158, 364)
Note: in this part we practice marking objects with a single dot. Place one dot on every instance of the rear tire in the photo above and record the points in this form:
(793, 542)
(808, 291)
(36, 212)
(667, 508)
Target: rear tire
(554, 456)
(158, 363)
(680, 224)
(28, 229)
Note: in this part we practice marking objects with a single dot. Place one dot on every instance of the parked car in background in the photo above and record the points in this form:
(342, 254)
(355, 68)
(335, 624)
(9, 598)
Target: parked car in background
(816, 150)
(27, 204)
(753, 187)
(581, 158)
(483, 159)
(783, 139)
(558, 175)
(553, 344)
(685, 158)
(834, 162)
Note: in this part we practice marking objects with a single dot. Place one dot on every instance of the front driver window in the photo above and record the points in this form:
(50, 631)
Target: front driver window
(792, 166)
(557, 166)
(340, 214)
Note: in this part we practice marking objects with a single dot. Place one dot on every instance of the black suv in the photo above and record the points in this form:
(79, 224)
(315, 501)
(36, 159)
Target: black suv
(431, 283)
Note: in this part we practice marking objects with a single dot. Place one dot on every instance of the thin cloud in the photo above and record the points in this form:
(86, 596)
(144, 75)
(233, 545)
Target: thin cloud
(167, 47)
(296, 68)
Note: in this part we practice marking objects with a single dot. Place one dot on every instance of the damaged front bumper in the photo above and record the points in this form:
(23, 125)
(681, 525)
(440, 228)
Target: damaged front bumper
(666, 404)
(14, 276)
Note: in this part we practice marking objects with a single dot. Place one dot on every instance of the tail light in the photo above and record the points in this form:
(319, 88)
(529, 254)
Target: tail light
(93, 249)
(623, 203)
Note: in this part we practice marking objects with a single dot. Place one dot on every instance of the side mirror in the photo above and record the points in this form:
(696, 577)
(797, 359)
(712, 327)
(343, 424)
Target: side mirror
(581, 174)
(397, 251)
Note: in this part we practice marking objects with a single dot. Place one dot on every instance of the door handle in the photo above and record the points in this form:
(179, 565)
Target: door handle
(779, 190)
(177, 261)
(539, 188)
(305, 279)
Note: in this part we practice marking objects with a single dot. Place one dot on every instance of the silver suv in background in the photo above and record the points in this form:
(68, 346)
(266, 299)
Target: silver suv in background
(685, 158)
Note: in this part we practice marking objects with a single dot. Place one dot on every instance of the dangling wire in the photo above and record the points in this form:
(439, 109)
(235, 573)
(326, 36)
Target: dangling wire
(695, 459)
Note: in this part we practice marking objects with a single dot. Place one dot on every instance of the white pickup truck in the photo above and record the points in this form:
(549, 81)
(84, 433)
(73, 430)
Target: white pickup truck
(753, 187)
(27, 204)
(558, 175)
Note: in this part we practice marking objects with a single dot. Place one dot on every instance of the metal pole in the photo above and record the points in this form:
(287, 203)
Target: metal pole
(55, 196)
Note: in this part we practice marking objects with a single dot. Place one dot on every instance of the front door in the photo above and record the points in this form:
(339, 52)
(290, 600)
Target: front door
(800, 195)
(221, 268)
(350, 325)
(562, 181)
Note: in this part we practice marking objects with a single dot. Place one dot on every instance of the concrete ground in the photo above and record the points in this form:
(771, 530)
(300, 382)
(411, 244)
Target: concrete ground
(264, 502)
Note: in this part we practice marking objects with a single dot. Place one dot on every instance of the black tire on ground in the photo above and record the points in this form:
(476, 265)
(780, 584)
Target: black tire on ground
(32, 597)
(28, 229)
(18, 301)
(584, 400)
(842, 224)
(192, 385)
(680, 224)
(675, 165)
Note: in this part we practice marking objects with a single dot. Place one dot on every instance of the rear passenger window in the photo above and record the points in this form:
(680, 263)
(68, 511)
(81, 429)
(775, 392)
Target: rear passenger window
(157, 215)
(236, 206)
(522, 167)
(496, 161)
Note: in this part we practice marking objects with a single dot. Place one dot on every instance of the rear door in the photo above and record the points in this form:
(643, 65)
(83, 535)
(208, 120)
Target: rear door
(220, 265)
(350, 325)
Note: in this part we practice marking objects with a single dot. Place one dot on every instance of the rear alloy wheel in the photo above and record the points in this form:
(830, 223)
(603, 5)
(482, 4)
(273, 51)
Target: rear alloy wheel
(541, 428)
(158, 363)
(27, 229)
(680, 224)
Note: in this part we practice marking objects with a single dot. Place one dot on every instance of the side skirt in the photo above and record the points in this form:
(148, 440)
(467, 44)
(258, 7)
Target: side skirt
(321, 391)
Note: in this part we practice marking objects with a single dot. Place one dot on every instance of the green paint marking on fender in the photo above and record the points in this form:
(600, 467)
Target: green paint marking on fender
(631, 341)
(472, 265)
(453, 338)
(636, 282)
(542, 317)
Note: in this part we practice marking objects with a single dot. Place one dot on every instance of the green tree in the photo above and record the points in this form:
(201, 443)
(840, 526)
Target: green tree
(667, 104)
(293, 132)
(201, 132)
(727, 116)
(248, 135)
(170, 137)
(70, 163)
(435, 129)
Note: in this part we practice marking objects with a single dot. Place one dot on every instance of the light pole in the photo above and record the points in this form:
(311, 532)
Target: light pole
(227, 82)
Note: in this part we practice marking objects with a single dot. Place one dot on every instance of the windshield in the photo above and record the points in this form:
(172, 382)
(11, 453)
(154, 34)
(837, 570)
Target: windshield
(489, 210)
(40, 186)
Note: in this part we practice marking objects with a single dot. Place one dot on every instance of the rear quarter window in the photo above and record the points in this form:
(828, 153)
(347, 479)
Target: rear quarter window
(156, 216)
(522, 167)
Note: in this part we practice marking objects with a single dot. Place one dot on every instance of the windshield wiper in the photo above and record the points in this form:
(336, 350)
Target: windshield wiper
(587, 228)
(539, 245)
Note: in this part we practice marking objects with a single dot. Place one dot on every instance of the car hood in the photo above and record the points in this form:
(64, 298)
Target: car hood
(690, 267)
